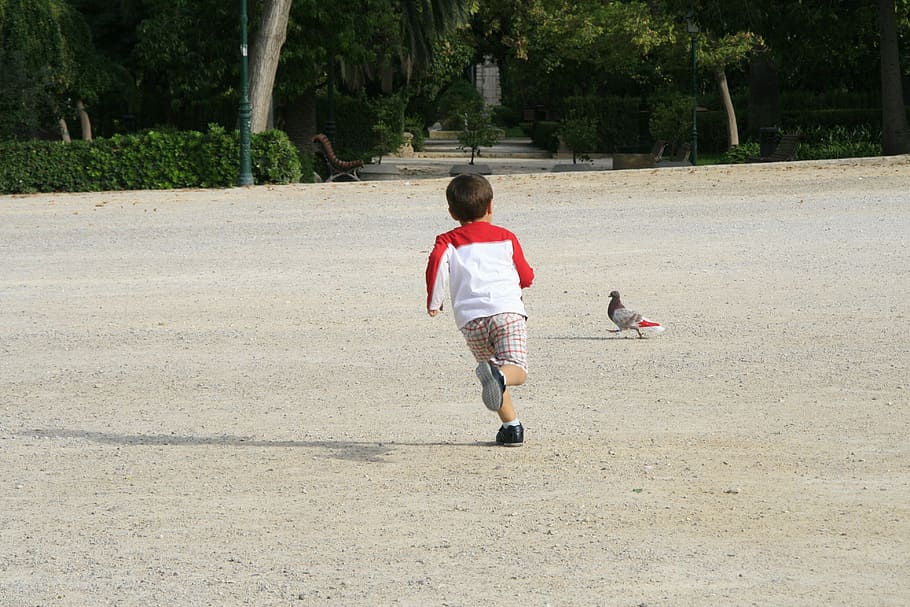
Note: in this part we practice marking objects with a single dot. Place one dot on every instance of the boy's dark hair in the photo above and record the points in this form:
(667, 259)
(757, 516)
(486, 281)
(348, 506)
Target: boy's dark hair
(469, 196)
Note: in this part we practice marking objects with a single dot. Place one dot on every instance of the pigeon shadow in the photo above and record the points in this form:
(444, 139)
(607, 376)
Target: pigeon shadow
(365, 451)
(632, 337)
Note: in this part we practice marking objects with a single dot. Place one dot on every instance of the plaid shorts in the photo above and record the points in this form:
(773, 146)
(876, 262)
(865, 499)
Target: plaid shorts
(501, 339)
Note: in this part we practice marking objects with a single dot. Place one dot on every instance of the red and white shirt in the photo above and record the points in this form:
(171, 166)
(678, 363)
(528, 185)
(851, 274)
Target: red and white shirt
(483, 266)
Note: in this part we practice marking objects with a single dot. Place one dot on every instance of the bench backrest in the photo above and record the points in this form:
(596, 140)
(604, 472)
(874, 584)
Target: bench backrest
(786, 148)
(329, 153)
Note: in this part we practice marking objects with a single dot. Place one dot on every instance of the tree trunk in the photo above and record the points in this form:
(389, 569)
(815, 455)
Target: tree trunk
(724, 89)
(84, 121)
(264, 56)
(895, 134)
(64, 131)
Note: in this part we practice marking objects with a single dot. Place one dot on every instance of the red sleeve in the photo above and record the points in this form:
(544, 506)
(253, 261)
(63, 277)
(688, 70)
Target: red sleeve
(436, 282)
(525, 271)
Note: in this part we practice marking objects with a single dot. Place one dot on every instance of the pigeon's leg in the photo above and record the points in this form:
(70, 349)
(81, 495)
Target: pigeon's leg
(640, 336)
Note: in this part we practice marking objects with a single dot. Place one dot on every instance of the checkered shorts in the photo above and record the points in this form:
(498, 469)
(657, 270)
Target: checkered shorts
(501, 339)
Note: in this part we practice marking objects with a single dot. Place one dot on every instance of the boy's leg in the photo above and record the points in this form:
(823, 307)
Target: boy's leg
(507, 410)
(515, 375)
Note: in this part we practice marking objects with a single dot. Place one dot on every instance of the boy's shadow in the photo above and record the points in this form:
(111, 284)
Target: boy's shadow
(366, 451)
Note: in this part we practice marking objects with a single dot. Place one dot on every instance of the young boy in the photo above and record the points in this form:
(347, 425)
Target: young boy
(485, 270)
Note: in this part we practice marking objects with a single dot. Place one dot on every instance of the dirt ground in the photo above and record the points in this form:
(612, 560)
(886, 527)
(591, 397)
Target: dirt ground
(235, 397)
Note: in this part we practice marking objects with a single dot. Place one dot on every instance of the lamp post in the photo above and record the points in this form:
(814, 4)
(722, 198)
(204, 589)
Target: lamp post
(692, 28)
(246, 174)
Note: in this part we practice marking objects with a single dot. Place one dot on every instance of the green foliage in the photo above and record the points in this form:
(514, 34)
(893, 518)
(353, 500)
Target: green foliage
(478, 129)
(544, 134)
(821, 143)
(452, 102)
(839, 142)
(185, 73)
(415, 126)
(40, 42)
(671, 117)
(274, 158)
(580, 134)
(506, 117)
(147, 160)
(741, 153)
(388, 124)
(615, 119)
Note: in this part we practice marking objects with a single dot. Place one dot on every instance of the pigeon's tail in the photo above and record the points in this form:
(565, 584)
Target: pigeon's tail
(651, 327)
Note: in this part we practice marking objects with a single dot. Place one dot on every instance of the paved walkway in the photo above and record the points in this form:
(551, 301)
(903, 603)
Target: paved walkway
(512, 156)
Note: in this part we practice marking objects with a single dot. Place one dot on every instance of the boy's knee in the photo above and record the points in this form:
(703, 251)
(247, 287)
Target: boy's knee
(515, 375)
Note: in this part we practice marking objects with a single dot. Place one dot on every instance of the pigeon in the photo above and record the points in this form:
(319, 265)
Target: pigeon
(624, 318)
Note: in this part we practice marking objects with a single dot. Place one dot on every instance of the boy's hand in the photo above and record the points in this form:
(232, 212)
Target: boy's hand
(432, 312)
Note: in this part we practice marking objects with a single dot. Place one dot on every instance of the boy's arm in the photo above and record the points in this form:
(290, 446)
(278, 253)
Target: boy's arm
(525, 271)
(437, 275)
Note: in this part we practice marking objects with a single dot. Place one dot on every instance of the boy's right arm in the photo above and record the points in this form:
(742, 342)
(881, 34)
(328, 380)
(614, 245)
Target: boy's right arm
(437, 274)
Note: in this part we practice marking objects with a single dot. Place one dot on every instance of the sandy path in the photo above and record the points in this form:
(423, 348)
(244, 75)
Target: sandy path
(235, 398)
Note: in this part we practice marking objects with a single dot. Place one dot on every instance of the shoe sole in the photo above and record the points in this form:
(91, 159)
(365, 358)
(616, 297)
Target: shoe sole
(492, 392)
(510, 444)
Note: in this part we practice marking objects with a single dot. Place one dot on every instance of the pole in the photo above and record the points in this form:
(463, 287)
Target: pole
(330, 128)
(694, 155)
(246, 174)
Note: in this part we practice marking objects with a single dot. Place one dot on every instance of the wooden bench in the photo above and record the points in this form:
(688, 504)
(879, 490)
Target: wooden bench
(680, 157)
(784, 151)
(337, 167)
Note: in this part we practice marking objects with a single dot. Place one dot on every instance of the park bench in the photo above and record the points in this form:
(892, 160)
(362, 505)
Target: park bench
(680, 157)
(337, 167)
(660, 146)
(784, 151)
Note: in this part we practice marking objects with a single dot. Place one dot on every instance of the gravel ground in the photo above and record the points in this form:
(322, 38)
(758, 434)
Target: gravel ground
(235, 397)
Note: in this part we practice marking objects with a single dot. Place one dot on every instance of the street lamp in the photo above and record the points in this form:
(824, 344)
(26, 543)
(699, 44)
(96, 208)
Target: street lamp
(692, 28)
(246, 174)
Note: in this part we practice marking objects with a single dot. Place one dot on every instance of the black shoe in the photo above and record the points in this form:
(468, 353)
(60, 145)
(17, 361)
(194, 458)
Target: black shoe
(494, 384)
(511, 436)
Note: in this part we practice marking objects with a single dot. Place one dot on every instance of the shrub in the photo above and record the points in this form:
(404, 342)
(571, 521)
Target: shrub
(147, 160)
(477, 129)
(580, 134)
(414, 125)
(671, 118)
(544, 135)
(274, 158)
(451, 103)
(741, 153)
(839, 142)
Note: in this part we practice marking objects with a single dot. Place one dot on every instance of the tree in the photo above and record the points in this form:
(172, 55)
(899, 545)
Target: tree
(718, 55)
(41, 44)
(478, 130)
(264, 56)
(895, 134)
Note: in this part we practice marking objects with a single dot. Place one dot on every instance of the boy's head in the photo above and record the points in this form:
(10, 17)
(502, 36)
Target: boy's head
(469, 197)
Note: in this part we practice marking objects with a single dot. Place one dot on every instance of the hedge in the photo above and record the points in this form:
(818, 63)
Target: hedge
(150, 160)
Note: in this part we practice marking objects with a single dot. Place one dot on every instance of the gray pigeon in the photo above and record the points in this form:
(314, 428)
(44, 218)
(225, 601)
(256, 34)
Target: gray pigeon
(624, 318)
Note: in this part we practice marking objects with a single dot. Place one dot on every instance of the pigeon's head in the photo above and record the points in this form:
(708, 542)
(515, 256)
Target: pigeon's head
(614, 294)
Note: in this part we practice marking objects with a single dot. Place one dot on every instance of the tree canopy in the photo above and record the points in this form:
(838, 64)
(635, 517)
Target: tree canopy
(138, 63)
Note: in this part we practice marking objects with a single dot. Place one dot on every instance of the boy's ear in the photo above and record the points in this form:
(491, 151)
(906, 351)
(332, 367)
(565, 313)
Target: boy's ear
(490, 207)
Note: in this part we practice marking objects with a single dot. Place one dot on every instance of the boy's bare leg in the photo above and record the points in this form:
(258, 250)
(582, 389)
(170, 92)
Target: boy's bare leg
(506, 411)
(515, 376)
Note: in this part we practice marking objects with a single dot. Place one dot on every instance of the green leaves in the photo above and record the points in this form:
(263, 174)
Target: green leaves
(150, 160)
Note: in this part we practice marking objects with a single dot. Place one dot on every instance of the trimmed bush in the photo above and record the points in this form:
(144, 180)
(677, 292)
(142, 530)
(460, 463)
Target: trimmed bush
(150, 160)
(545, 134)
